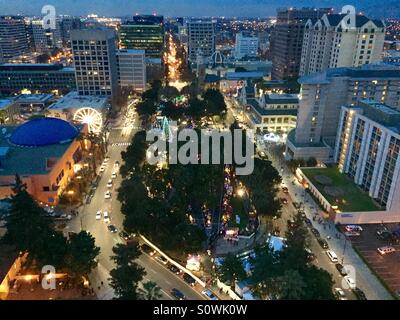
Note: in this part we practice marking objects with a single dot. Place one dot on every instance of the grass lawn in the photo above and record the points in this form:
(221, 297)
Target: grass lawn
(238, 209)
(353, 199)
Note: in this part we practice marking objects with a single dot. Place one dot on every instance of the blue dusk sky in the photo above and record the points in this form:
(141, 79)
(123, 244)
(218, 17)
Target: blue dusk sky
(228, 8)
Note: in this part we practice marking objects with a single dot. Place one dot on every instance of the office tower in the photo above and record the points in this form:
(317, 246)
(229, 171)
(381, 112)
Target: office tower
(245, 46)
(287, 40)
(13, 37)
(67, 24)
(329, 42)
(95, 62)
(45, 40)
(131, 69)
(323, 94)
(143, 33)
(263, 41)
(36, 77)
(201, 38)
(368, 150)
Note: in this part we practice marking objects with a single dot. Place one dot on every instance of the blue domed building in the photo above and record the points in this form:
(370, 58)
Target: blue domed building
(44, 152)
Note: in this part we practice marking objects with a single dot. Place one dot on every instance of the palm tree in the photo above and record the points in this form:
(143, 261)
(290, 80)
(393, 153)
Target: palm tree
(151, 291)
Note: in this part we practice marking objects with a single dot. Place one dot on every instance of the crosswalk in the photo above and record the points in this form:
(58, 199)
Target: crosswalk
(120, 144)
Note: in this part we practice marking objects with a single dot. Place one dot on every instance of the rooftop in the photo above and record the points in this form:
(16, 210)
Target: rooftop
(281, 98)
(373, 71)
(39, 97)
(73, 100)
(271, 112)
(243, 75)
(4, 103)
(28, 160)
(349, 197)
(33, 67)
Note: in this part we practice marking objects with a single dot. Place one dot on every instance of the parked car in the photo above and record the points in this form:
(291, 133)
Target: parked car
(339, 294)
(350, 282)
(162, 259)
(341, 269)
(352, 233)
(383, 234)
(386, 250)
(188, 279)
(113, 175)
(332, 256)
(360, 295)
(112, 228)
(98, 215)
(284, 201)
(174, 269)
(285, 190)
(107, 195)
(209, 294)
(147, 249)
(315, 232)
(292, 224)
(102, 168)
(263, 155)
(353, 227)
(323, 243)
(178, 294)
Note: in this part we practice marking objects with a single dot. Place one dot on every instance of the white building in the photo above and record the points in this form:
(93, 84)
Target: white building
(131, 66)
(201, 38)
(322, 95)
(368, 150)
(245, 46)
(330, 42)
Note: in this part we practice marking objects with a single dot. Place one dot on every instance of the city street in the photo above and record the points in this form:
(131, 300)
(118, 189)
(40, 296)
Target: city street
(156, 272)
(365, 280)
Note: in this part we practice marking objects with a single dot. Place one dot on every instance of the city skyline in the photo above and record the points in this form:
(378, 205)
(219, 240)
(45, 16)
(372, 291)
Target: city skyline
(231, 8)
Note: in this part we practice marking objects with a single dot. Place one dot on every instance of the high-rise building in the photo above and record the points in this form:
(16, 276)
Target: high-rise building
(131, 69)
(287, 40)
(245, 46)
(323, 94)
(95, 61)
(201, 38)
(45, 40)
(143, 32)
(368, 150)
(13, 37)
(333, 41)
(69, 23)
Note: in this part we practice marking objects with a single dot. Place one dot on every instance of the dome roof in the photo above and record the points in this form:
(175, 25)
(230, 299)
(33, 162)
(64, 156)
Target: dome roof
(217, 59)
(43, 132)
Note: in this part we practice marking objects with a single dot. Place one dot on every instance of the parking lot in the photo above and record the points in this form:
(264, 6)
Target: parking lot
(386, 266)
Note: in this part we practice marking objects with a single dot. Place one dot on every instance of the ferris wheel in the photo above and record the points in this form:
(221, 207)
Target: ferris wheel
(91, 117)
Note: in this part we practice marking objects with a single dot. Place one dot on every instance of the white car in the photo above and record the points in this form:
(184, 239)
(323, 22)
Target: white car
(113, 175)
(107, 195)
(350, 282)
(109, 183)
(106, 217)
(353, 228)
(339, 293)
(106, 159)
(98, 215)
(332, 256)
(102, 168)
